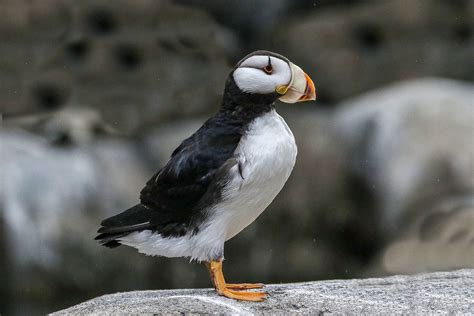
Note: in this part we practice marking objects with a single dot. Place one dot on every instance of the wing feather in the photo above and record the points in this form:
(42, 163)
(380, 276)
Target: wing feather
(174, 200)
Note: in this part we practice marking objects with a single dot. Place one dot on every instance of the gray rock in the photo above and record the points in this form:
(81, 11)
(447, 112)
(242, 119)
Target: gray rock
(412, 148)
(246, 17)
(138, 62)
(358, 48)
(441, 238)
(52, 201)
(56, 194)
(412, 144)
(436, 293)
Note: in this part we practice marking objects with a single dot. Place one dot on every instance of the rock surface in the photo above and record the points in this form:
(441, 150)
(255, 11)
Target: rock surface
(435, 293)
(412, 144)
(412, 148)
(137, 66)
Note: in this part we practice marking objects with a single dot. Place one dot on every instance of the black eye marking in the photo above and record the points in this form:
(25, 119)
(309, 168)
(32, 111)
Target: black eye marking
(268, 68)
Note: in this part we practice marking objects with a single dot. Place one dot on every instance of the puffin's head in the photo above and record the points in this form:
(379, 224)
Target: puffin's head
(267, 73)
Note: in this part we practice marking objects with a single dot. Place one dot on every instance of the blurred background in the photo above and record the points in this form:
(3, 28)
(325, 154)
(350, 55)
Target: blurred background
(96, 94)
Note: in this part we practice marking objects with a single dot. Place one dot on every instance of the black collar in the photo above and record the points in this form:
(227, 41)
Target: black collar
(243, 104)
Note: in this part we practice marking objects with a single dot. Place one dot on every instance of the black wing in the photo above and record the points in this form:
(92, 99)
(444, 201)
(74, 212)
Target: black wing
(173, 200)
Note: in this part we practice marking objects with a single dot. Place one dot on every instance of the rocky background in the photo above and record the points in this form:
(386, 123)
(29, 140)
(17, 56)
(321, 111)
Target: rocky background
(95, 94)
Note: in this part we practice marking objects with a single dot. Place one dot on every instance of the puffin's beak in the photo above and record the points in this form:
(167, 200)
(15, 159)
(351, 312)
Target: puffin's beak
(301, 87)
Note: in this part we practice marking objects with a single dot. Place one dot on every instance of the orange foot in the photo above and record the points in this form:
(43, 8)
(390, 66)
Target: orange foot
(233, 290)
(244, 286)
(242, 296)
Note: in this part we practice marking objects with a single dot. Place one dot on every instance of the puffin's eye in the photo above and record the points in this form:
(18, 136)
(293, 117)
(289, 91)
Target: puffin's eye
(268, 69)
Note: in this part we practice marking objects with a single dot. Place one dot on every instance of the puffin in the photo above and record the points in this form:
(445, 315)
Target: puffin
(222, 177)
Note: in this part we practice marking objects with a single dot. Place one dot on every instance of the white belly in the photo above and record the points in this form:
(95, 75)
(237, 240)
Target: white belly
(267, 154)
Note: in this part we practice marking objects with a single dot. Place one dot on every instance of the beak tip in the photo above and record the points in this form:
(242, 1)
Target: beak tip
(310, 91)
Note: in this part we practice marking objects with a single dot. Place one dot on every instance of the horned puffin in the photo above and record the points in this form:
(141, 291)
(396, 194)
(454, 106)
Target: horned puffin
(221, 178)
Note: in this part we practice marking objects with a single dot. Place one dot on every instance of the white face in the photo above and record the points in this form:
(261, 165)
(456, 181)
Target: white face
(257, 74)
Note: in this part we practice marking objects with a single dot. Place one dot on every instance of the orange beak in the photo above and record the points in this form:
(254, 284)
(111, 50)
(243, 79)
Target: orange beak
(301, 87)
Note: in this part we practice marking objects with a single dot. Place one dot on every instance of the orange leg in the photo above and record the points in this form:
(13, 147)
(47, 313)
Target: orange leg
(229, 290)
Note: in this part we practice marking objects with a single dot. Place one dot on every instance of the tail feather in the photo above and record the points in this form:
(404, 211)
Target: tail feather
(109, 240)
(136, 218)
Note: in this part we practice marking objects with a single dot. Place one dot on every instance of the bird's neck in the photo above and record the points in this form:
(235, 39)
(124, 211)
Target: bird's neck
(247, 106)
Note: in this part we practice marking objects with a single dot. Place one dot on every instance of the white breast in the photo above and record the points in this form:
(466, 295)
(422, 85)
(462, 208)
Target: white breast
(267, 154)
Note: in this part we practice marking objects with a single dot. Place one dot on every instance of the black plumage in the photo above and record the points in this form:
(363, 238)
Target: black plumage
(174, 200)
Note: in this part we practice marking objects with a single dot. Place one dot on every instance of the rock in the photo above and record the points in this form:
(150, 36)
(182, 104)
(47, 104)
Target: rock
(412, 143)
(30, 31)
(138, 64)
(441, 239)
(246, 17)
(412, 148)
(358, 48)
(58, 193)
(253, 25)
(51, 206)
(435, 293)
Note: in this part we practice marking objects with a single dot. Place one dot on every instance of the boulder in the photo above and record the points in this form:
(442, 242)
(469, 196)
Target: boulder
(412, 144)
(140, 63)
(52, 203)
(440, 239)
(435, 294)
(412, 147)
